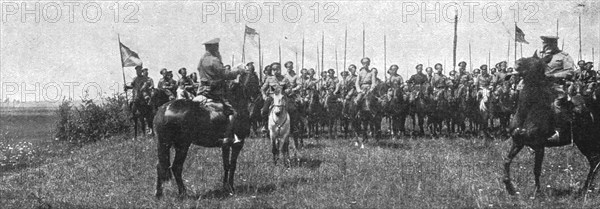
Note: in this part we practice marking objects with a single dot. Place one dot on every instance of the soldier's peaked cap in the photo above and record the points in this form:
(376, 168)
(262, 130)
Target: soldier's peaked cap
(549, 38)
(212, 42)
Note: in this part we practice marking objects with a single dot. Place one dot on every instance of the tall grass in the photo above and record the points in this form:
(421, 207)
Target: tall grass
(92, 120)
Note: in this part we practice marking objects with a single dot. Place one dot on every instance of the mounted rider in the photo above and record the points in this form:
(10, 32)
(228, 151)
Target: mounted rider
(365, 82)
(277, 81)
(350, 82)
(185, 85)
(141, 86)
(167, 84)
(439, 81)
(560, 69)
(395, 80)
(331, 82)
(213, 76)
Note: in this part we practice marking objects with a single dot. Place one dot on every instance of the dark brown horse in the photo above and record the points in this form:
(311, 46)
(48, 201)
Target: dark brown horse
(395, 107)
(180, 123)
(419, 105)
(315, 112)
(538, 124)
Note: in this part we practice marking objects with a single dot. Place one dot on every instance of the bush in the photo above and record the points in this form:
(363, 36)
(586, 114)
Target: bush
(92, 121)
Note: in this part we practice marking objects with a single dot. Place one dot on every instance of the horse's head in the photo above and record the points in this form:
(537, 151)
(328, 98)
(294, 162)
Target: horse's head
(531, 68)
(279, 103)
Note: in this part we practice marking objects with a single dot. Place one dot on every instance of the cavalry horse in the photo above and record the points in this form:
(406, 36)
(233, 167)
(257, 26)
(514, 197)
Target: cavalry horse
(395, 107)
(314, 112)
(441, 112)
(142, 110)
(333, 108)
(535, 105)
(183, 122)
(419, 104)
(279, 128)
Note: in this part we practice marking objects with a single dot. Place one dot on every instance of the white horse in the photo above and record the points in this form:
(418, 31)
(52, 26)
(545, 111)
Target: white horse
(279, 128)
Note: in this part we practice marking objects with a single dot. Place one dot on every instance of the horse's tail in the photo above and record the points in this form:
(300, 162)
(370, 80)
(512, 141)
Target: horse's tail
(485, 93)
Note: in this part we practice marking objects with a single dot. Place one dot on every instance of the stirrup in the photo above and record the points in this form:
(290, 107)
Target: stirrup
(554, 138)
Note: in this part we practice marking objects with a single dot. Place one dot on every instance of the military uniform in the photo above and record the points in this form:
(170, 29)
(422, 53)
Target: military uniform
(212, 76)
(169, 86)
(271, 84)
(185, 86)
(365, 82)
(350, 84)
(331, 84)
(418, 79)
(396, 81)
(464, 79)
(484, 81)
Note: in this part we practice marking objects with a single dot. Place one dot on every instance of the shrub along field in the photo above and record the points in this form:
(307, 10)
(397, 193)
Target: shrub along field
(403, 173)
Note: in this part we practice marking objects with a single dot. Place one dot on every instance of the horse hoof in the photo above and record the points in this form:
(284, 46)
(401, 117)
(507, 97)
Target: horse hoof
(158, 194)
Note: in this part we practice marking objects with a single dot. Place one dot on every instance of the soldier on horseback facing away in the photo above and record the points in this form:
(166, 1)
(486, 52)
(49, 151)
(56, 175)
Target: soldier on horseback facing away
(212, 76)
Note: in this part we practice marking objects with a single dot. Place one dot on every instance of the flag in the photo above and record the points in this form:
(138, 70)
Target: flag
(129, 58)
(519, 35)
(251, 33)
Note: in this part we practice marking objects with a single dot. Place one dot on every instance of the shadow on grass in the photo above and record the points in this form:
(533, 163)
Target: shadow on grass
(314, 146)
(392, 145)
(247, 189)
(561, 192)
(304, 162)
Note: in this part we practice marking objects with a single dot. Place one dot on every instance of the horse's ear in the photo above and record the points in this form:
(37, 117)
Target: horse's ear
(535, 54)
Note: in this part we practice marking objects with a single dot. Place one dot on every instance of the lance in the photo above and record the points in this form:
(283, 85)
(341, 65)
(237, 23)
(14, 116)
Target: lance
(318, 70)
(384, 57)
(580, 57)
(303, 51)
(556, 27)
(232, 59)
(508, 52)
(363, 41)
(322, 51)
(593, 56)
(260, 61)
(470, 62)
(345, 44)
(516, 42)
(336, 60)
(280, 52)
(455, 40)
(243, 47)
(489, 58)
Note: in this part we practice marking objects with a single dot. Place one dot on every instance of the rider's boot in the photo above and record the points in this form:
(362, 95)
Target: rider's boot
(562, 121)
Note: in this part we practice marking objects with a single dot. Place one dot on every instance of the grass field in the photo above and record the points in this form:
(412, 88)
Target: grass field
(27, 138)
(405, 173)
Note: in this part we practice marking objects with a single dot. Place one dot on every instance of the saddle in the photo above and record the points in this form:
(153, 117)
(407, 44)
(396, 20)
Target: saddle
(215, 108)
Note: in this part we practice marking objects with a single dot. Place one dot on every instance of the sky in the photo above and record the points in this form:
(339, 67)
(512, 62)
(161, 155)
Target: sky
(68, 52)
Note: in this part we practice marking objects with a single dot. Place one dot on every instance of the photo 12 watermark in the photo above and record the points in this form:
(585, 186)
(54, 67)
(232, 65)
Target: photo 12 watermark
(57, 91)
(69, 11)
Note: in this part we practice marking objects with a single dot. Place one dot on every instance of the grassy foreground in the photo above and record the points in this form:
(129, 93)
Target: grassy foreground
(406, 173)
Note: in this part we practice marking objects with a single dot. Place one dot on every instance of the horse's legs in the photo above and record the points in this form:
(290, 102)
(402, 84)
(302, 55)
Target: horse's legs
(177, 167)
(235, 152)
(162, 167)
(537, 168)
(512, 153)
(274, 148)
(135, 126)
(225, 155)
